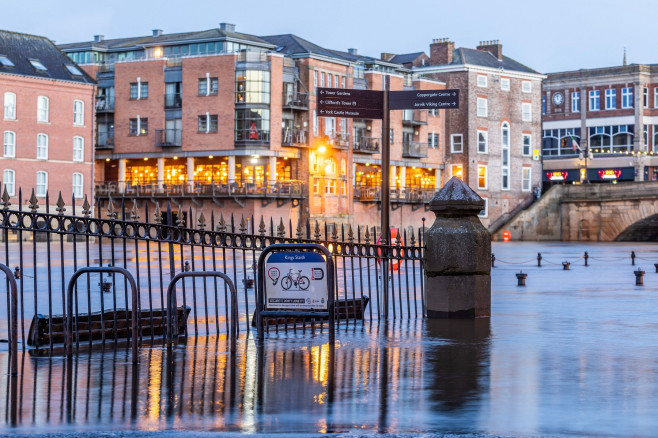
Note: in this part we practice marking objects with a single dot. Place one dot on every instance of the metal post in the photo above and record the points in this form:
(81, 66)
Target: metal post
(385, 195)
(13, 320)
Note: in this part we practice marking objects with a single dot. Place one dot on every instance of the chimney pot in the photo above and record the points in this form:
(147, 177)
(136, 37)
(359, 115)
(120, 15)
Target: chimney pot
(99, 38)
(228, 27)
(157, 32)
(352, 51)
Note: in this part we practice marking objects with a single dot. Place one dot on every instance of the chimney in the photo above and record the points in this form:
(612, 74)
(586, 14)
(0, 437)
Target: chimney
(228, 27)
(352, 51)
(494, 47)
(387, 56)
(441, 51)
(99, 38)
(157, 32)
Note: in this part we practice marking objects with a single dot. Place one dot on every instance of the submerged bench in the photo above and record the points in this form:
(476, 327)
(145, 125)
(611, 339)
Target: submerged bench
(346, 309)
(108, 325)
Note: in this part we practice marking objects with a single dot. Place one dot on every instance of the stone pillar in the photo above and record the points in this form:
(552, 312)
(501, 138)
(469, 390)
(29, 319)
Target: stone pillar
(190, 172)
(122, 175)
(457, 255)
(272, 170)
(231, 168)
(161, 173)
(437, 179)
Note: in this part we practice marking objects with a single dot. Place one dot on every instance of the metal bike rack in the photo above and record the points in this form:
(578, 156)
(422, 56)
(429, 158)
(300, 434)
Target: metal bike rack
(69, 305)
(13, 318)
(171, 306)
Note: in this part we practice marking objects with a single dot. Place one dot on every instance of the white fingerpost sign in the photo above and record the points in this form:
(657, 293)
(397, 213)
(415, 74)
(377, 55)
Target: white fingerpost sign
(296, 280)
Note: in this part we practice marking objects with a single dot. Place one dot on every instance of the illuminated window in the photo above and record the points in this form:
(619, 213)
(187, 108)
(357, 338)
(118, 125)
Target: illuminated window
(330, 187)
(482, 177)
(457, 170)
(252, 86)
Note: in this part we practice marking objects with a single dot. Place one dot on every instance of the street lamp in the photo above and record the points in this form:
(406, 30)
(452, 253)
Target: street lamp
(585, 155)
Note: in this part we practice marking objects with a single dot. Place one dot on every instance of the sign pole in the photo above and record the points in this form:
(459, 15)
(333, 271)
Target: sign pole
(385, 191)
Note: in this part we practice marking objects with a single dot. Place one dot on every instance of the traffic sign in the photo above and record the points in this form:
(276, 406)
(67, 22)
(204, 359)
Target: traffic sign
(343, 102)
(424, 99)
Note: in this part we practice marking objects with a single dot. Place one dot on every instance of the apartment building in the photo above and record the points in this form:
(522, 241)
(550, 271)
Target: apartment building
(223, 121)
(47, 122)
(600, 125)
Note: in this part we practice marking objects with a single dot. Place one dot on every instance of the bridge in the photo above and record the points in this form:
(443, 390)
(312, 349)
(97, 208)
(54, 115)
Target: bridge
(589, 212)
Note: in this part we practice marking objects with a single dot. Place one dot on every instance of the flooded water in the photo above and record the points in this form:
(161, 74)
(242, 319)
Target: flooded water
(573, 353)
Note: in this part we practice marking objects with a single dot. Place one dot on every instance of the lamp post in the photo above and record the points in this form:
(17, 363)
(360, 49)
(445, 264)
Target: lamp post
(585, 155)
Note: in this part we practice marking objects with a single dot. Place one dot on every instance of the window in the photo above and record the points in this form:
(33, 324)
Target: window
(10, 144)
(646, 97)
(610, 99)
(594, 100)
(457, 170)
(77, 185)
(316, 186)
(342, 82)
(42, 184)
(335, 81)
(655, 97)
(485, 211)
(575, 101)
(78, 149)
(208, 123)
(42, 109)
(9, 179)
(75, 71)
(10, 106)
(482, 81)
(482, 107)
(525, 179)
(330, 187)
(504, 84)
(627, 97)
(482, 177)
(321, 80)
(138, 126)
(5, 62)
(78, 112)
(315, 78)
(526, 112)
(483, 146)
(456, 143)
(527, 145)
(526, 86)
(42, 147)
(543, 105)
(391, 135)
(505, 158)
(38, 66)
(139, 90)
(252, 125)
(252, 86)
(208, 86)
(433, 140)
(316, 128)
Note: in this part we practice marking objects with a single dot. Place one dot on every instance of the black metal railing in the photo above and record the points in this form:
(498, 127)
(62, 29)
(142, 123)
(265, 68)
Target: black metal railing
(104, 105)
(369, 145)
(295, 100)
(168, 137)
(410, 195)
(294, 137)
(105, 140)
(414, 149)
(173, 100)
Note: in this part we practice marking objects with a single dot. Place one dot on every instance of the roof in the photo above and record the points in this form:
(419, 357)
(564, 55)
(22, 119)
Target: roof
(20, 48)
(290, 44)
(165, 39)
(406, 58)
(486, 59)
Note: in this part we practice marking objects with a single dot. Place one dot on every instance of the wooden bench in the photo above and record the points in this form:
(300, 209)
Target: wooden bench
(108, 325)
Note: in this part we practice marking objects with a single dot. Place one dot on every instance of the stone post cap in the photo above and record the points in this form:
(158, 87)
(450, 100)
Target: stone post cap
(456, 198)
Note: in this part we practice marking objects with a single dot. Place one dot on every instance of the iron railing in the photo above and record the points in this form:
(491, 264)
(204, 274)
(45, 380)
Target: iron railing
(168, 137)
(290, 137)
(411, 195)
(295, 100)
(105, 140)
(369, 145)
(414, 149)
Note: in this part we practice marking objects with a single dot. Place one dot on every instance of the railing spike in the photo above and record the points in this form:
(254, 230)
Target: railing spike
(412, 240)
(300, 229)
(243, 225)
(334, 232)
(201, 222)
(221, 226)
(290, 227)
(111, 210)
(5, 199)
(262, 228)
(134, 214)
(60, 204)
(157, 214)
(316, 232)
(212, 219)
(180, 218)
(281, 230)
(366, 235)
(350, 234)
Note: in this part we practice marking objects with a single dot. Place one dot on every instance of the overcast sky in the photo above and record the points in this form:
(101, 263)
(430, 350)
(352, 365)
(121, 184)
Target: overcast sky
(548, 36)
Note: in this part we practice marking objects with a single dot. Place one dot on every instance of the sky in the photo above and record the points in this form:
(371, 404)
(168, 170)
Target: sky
(549, 36)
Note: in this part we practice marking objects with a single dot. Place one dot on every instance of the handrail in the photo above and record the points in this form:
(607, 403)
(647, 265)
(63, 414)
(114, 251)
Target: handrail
(13, 325)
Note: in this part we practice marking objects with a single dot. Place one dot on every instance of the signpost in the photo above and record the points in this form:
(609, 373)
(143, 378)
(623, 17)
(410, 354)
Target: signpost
(371, 104)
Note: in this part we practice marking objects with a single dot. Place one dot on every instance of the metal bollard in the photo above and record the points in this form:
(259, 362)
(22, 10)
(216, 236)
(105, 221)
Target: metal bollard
(639, 277)
(521, 278)
(565, 266)
(656, 265)
(539, 260)
(633, 258)
(493, 260)
(586, 256)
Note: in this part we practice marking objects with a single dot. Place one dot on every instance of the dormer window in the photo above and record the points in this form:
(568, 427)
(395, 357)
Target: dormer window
(5, 62)
(73, 70)
(38, 65)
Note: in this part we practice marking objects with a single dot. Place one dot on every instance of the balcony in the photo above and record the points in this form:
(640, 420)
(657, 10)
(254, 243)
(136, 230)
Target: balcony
(104, 140)
(404, 195)
(294, 137)
(169, 137)
(173, 100)
(414, 117)
(295, 101)
(367, 145)
(414, 149)
(104, 105)
(339, 140)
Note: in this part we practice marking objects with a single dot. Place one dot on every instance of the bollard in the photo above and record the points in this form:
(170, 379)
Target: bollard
(521, 278)
(633, 258)
(565, 265)
(639, 277)
(17, 273)
(458, 255)
(539, 260)
(586, 256)
(493, 260)
(187, 267)
(656, 265)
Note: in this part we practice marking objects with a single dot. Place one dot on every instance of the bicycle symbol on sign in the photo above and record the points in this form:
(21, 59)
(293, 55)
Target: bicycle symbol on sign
(297, 279)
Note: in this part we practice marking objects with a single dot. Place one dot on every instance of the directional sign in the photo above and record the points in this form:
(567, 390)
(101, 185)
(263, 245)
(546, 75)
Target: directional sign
(343, 102)
(423, 99)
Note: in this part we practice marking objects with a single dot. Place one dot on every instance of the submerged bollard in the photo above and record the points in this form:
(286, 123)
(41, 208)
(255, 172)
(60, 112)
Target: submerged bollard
(656, 265)
(639, 277)
(633, 258)
(493, 260)
(586, 256)
(521, 278)
(565, 265)
(539, 260)
(458, 255)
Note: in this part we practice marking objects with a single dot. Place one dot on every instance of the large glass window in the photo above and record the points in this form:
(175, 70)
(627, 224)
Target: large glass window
(575, 102)
(208, 86)
(10, 106)
(138, 126)
(10, 144)
(252, 86)
(610, 99)
(482, 177)
(208, 123)
(252, 125)
(139, 90)
(556, 142)
(9, 180)
(42, 147)
(627, 97)
(594, 100)
(611, 139)
(42, 109)
(42, 184)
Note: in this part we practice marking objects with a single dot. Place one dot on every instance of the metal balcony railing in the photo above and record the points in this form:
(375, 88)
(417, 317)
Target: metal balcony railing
(248, 56)
(173, 100)
(294, 137)
(104, 140)
(104, 104)
(168, 137)
(295, 100)
(368, 145)
(414, 117)
(407, 195)
(414, 149)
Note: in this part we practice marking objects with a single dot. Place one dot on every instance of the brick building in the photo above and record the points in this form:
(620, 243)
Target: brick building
(226, 121)
(493, 139)
(47, 122)
(600, 125)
